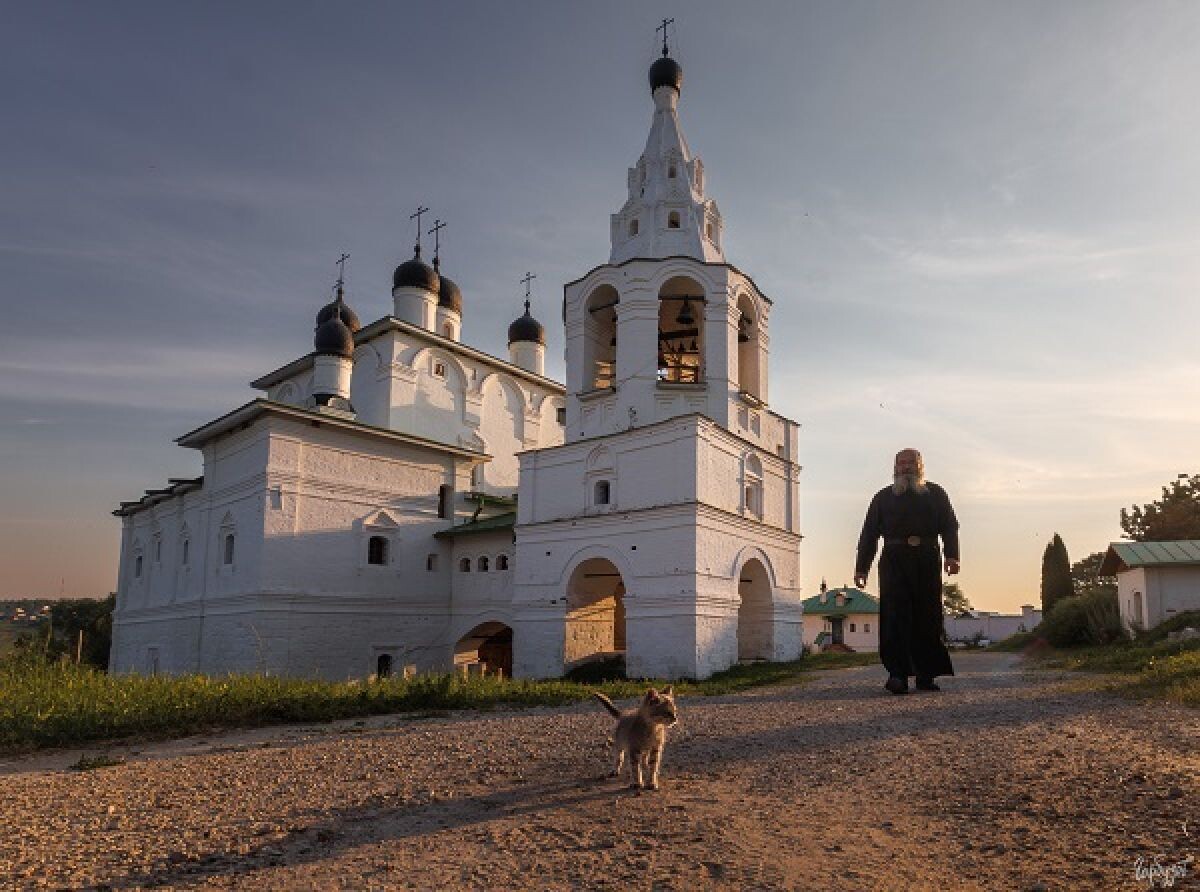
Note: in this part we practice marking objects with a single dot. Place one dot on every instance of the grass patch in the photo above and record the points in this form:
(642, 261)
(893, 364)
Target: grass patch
(91, 763)
(55, 704)
(1155, 668)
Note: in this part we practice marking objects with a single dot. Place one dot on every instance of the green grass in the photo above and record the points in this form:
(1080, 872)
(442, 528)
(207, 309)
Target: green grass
(56, 704)
(1155, 668)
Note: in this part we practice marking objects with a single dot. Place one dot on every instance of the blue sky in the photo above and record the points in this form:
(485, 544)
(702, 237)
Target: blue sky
(978, 223)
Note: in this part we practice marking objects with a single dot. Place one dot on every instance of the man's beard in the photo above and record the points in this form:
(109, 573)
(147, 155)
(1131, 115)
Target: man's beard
(903, 483)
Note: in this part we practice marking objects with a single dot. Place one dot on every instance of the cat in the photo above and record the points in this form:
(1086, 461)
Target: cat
(642, 733)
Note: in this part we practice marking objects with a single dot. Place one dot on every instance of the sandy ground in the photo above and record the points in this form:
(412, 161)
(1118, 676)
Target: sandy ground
(1006, 779)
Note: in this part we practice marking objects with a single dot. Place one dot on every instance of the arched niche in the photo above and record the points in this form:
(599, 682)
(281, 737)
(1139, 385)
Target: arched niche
(749, 350)
(681, 341)
(755, 629)
(600, 339)
(595, 621)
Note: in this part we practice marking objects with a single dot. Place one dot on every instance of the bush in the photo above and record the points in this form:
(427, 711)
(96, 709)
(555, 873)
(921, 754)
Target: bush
(1174, 624)
(1093, 618)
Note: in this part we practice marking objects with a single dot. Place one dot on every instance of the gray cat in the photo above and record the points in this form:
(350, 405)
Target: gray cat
(642, 733)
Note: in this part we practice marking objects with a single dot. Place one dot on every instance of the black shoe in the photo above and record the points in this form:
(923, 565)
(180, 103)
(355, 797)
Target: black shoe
(927, 684)
(897, 684)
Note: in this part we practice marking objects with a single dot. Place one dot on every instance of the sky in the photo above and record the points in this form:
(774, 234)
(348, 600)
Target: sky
(978, 222)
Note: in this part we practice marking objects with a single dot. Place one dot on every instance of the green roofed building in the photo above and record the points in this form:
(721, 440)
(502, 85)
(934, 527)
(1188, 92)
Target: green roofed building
(843, 616)
(1155, 580)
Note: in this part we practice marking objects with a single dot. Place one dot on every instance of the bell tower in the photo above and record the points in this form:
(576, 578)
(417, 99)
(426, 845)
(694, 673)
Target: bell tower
(665, 529)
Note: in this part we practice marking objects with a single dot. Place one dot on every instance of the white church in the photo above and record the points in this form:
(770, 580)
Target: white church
(396, 499)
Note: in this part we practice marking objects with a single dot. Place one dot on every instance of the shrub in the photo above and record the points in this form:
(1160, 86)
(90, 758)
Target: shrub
(1174, 624)
(1093, 618)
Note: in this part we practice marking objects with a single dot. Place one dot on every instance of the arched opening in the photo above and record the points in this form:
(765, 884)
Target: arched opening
(383, 666)
(488, 645)
(681, 332)
(754, 630)
(483, 564)
(749, 378)
(595, 623)
(600, 339)
(502, 562)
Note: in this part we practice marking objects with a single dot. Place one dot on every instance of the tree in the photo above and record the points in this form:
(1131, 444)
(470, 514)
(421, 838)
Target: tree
(1175, 516)
(1086, 578)
(1056, 574)
(954, 602)
(91, 617)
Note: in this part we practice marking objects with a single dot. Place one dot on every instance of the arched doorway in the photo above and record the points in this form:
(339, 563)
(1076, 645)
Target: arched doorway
(595, 623)
(755, 630)
(488, 644)
(383, 666)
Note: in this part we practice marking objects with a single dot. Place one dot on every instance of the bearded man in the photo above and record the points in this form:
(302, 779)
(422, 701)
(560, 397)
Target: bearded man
(909, 516)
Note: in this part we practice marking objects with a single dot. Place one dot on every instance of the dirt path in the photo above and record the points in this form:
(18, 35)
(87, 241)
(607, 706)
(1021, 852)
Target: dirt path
(1007, 779)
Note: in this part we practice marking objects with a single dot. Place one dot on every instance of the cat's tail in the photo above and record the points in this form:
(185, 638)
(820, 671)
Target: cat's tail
(608, 704)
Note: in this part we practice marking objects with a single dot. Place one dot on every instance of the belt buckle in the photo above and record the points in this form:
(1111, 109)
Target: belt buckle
(914, 540)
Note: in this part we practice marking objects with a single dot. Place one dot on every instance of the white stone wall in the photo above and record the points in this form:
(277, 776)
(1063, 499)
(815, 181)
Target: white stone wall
(993, 626)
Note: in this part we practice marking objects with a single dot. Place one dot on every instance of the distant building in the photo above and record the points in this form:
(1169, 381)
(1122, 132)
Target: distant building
(991, 625)
(847, 616)
(1155, 580)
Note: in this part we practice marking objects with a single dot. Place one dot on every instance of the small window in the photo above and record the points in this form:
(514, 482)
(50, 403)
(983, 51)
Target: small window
(708, 230)
(443, 501)
(383, 666)
(137, 567)
(502, 562)
(464, 566)
(447, 332)
(866, 627)
(377, 550)
(158, 551)
(561, 414)
(600, 492)
(670, 171)
(673, 220)
(439, 370)
(752, 498)
(431, 563)
(633, 228)
(475, 471)
(185, 556)
(483, 565)
(227, 556)
(851, 627)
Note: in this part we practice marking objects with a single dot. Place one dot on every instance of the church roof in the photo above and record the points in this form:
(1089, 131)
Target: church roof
(176, 486)
(256, 408)
(1126, 555)
(488, 525)
(854, 601)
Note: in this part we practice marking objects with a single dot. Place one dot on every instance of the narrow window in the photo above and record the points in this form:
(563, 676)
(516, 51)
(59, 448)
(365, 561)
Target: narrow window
(443, 500)
(483, 565)
(561, 414)
(228, 555)
(377, 550)
(866, 627)
(447, 332)
(633, 228)
(502, 562)
(673, 220)
(600, 492)
(671, 172)
(137, 567)
(158, 551)
(464, 566)
(439, 369)
(431, 563)
(187, 548)
(851, 627)
(708, 230)
(383, 666)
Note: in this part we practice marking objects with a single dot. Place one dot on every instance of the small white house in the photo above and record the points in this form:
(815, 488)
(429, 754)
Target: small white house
(1155, 580)
(844, 616)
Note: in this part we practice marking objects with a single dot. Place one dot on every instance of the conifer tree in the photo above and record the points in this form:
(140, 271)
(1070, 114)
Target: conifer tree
(1056, 574)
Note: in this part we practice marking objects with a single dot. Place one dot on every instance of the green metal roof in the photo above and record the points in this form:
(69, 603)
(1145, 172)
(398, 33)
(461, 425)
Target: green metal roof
(1124, 555)
(487, 525)
(855, 601)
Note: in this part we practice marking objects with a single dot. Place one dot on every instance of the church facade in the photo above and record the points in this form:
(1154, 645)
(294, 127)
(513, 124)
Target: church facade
(396, 498)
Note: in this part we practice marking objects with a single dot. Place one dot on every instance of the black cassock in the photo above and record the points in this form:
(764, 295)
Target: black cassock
(910, 576)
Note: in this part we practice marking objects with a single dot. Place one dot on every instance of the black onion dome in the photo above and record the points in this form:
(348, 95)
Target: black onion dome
(526, 328)
(665, 72)
(416, 273)
(449, 295)
(340, 309)
(334, 338)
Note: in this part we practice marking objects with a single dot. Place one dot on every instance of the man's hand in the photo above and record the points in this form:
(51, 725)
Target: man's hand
(860, 580)
(951, 566)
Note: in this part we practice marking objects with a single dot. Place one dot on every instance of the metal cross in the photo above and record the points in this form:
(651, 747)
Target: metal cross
(529, 277)
(663, 29)
(341, 265)
(438, 226)
(421, 209)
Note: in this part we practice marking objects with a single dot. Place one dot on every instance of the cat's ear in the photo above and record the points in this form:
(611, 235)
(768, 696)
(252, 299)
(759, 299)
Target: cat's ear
(651, 695)
(670, 691)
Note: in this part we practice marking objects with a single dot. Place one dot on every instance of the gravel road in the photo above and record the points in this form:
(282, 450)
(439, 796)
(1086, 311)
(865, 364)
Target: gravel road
(1006, 779)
